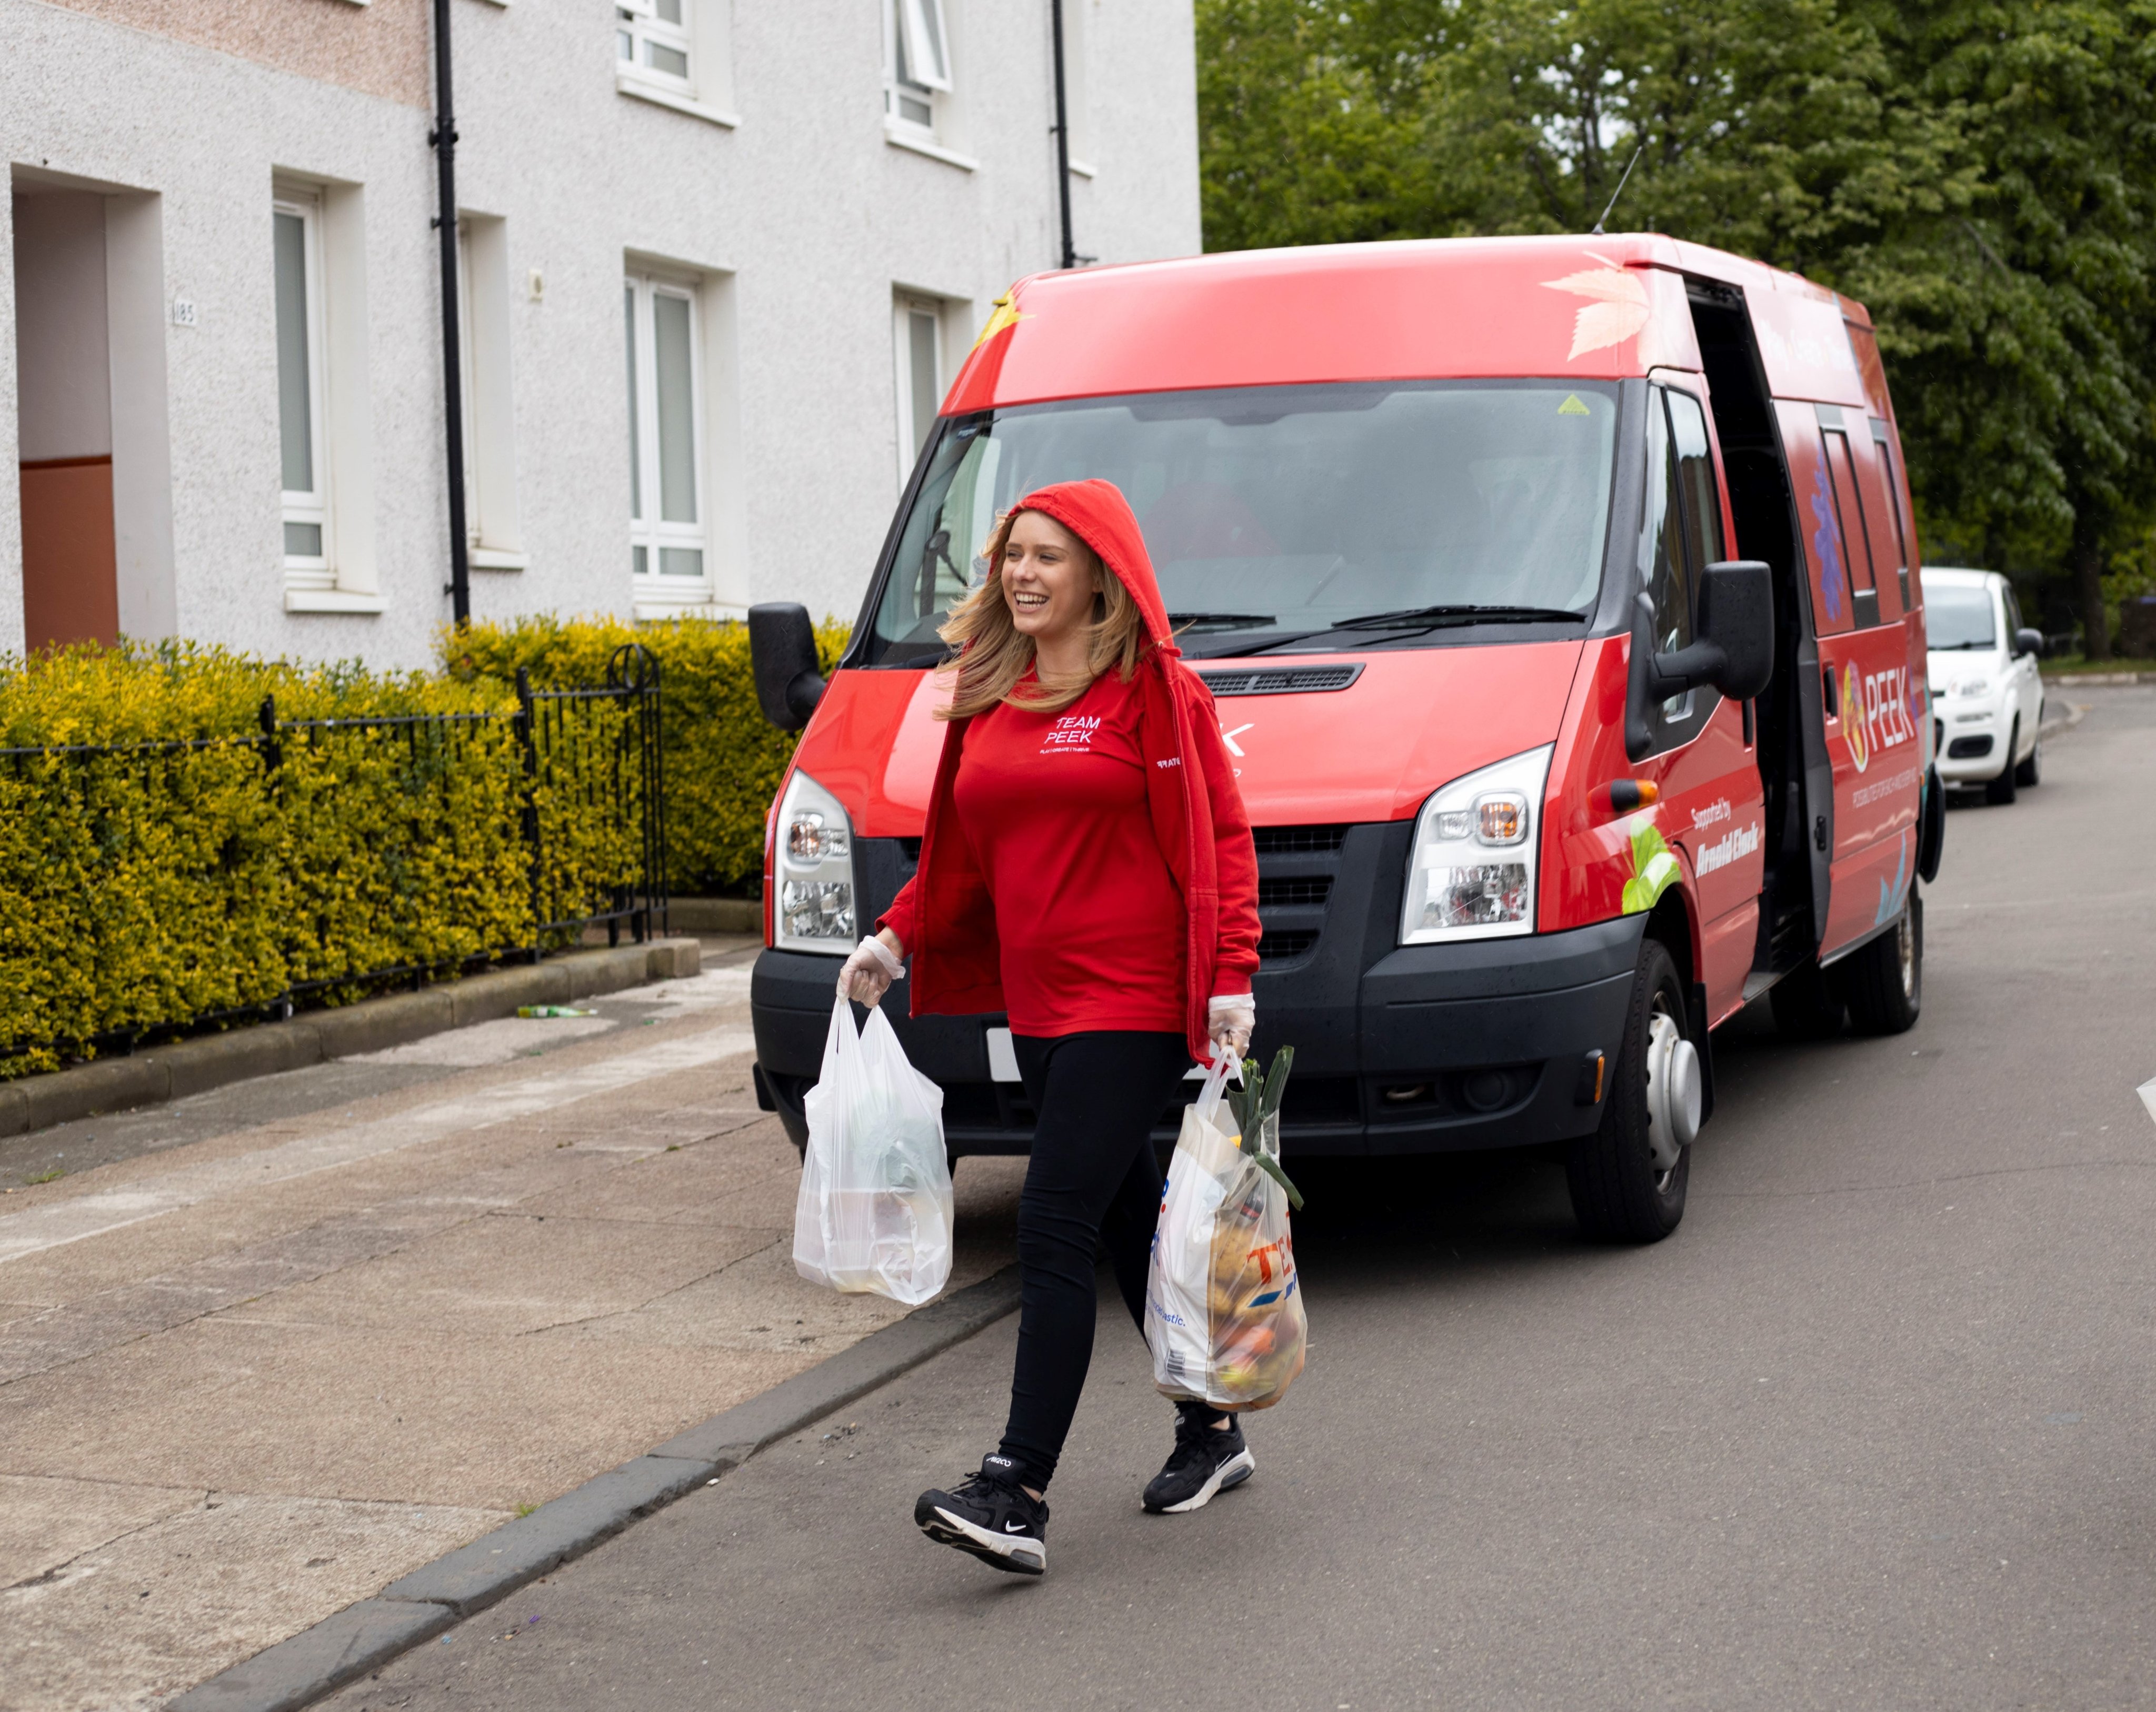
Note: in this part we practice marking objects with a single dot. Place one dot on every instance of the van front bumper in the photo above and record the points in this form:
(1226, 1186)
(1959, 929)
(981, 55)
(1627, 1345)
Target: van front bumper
(1398, 1049)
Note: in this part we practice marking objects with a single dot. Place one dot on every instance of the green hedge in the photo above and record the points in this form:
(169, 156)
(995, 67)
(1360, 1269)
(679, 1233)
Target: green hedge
(161, 862)
(724, 759)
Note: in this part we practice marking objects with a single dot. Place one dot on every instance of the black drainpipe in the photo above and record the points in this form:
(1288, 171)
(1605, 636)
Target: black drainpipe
(444, 140)
(1062, 135)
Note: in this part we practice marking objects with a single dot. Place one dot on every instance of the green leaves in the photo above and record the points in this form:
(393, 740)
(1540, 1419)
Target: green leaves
(1982, 176)
(1256, 1105)
(168, 869)
(724, 759)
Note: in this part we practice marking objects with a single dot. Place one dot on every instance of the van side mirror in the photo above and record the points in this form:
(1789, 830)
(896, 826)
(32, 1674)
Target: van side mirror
(1735, 648)
(781, 650)
(2028, 644)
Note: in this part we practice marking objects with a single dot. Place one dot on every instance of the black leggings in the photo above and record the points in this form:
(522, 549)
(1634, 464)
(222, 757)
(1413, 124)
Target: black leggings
(1093, 1180)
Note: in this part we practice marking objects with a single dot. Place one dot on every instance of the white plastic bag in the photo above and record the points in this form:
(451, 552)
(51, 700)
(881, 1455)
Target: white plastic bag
(874, 1211)
(1223, 1308)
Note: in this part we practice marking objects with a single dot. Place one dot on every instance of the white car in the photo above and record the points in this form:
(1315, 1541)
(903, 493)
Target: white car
(1987, 693)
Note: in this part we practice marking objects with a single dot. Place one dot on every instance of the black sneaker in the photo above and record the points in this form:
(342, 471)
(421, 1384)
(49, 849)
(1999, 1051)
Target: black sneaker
(1202, 1463)
(991, 1516)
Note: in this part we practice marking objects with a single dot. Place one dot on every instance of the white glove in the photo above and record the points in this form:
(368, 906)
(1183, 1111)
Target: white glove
(869, 972)
(1228, 1020)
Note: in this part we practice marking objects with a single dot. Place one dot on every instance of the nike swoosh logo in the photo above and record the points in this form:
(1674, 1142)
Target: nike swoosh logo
(1014, 1527)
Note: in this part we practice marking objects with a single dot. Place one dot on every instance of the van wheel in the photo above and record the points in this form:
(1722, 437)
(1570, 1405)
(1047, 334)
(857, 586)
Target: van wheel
(2000, 790)
(1885, 979)
(2031, 771)
(1806, 1007)
(1627, 1178)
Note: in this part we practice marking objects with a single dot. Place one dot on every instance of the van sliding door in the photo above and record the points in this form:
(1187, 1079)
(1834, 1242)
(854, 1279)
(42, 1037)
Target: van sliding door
(1874, 708)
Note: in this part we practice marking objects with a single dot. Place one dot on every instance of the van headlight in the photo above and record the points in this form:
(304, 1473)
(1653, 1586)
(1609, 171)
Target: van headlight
(1472, 871)
(815, 904)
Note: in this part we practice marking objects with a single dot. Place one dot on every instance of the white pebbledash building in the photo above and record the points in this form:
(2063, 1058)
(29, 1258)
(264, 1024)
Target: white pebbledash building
(719, 260)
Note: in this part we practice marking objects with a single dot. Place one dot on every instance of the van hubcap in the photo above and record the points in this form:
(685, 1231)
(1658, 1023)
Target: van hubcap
(1905, 934)
(1673, 1093)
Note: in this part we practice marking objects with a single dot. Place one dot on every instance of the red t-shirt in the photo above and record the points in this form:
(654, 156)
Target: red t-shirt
(1090, 920)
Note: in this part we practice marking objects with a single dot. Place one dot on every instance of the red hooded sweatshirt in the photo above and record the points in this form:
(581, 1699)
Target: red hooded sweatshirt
(946, 914)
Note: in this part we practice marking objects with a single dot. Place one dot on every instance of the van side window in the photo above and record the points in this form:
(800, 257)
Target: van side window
(1851, 524)
(1702, 499)
(1669, 569)
(1885, 447)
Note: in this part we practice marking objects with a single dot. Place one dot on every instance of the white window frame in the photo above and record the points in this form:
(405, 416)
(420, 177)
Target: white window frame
(638, 27)
(905, 25)
(904, 305)
(492, 539)
(1077, 105)
(653, 588)
(704, 35)
(310, 506)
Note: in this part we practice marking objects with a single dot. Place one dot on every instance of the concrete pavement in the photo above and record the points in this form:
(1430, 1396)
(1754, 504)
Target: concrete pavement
(277, 1345)
(1871, 1430)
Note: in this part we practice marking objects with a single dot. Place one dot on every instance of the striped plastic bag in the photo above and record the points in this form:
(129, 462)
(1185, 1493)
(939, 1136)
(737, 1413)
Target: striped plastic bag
(1223, 1307)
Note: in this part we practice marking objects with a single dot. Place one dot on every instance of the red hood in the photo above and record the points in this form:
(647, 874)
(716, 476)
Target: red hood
(1096, 513)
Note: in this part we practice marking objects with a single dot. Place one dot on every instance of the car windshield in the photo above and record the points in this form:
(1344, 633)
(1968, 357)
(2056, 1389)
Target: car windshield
(1417, 511)
(1959, 619)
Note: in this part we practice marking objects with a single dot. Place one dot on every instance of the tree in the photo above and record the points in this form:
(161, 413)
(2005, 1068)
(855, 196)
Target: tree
(1980, 175)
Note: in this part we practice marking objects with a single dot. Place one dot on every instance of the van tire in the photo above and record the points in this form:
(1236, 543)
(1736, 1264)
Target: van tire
(2000, 791)
(1806, 1007)
(1617, 1194)
(1884, 981)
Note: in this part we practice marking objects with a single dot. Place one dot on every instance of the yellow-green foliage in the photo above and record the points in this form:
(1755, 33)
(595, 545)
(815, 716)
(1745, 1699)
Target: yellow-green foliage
(198, 871)
(724, 759)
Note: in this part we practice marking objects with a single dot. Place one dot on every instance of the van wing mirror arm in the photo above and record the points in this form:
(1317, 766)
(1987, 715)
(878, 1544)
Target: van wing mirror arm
(782, 646)
(1734, 650)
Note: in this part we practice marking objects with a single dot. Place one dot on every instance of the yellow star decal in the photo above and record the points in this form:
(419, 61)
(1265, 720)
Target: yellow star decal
(1000, 317)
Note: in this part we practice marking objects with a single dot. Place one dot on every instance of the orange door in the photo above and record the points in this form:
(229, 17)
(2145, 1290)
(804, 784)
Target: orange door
(69, 590)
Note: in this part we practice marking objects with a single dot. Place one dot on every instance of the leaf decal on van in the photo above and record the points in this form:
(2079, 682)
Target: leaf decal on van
(1653, 868)
(1619, 312)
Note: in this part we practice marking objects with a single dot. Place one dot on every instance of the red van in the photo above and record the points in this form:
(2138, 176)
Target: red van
(1559, 597)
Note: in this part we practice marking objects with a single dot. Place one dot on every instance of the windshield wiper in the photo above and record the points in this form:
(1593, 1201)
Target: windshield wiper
(1960, 647)
(1221, 620)
(1429, 617)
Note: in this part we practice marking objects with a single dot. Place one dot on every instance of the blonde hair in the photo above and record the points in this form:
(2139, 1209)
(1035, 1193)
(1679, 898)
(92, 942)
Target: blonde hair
(994, 654)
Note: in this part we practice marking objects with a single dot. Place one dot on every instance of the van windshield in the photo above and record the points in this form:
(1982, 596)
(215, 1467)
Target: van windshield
(1959, 618)
(1276, 512)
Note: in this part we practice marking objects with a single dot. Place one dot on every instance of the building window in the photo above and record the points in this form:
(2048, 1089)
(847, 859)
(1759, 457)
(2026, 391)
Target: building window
(652, 38)
(918, 337)
(490, 524)
(917, 63)
(302, 378)
(666, 529)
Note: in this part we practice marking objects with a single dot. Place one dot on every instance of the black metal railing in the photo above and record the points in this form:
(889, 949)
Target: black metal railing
(155, 888)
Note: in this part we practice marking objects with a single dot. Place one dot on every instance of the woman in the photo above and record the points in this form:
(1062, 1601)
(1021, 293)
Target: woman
(1086, 867)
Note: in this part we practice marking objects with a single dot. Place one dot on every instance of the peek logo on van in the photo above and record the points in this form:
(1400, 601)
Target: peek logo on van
(1875, 711)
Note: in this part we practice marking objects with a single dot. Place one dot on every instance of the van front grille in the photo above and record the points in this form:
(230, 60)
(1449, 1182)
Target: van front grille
(1292, 889)
(1295, 841)
(1273, 948)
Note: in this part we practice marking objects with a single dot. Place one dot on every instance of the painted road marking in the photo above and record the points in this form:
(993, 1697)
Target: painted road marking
(93, 1214)
(2148, 1092)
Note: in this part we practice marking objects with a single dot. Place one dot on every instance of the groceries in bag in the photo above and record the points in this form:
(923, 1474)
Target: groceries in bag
(1223, 1307)
(874, 1211)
